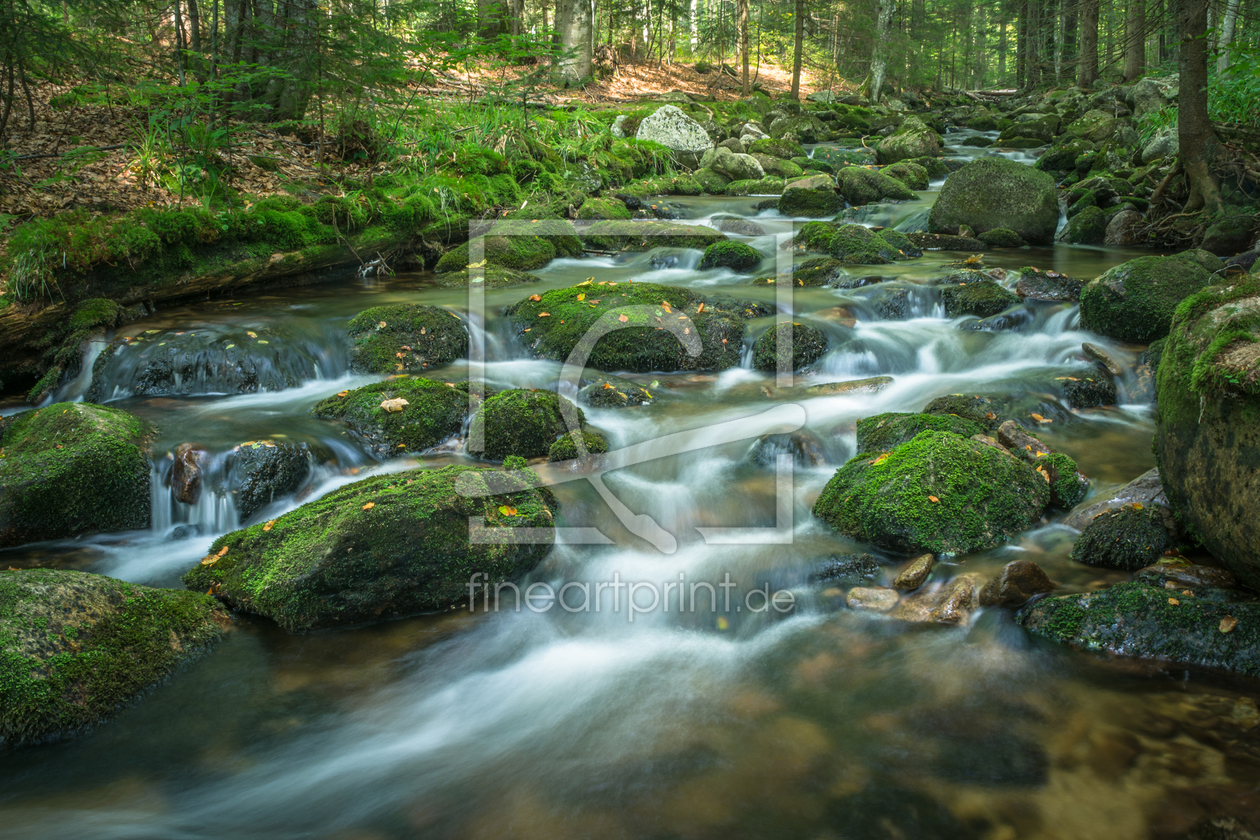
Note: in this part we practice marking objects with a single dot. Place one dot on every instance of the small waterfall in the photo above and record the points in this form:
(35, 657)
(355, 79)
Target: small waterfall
(214, 512)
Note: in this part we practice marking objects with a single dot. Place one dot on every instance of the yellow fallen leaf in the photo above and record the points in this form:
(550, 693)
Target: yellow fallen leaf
(222, 551)
(1228, 623)
(623, 318)
(933, 499)
(251, 334)
(581, 297)
(396, 404)
(700, 308)
(369, 506)
(507, 511)
(881, 459)
(343, 393)
(535, 297)
(544, 314)
(588, 281)
(723, 623)
(1137, 505)
(1174, 602)
(381, 325)
(269, 525)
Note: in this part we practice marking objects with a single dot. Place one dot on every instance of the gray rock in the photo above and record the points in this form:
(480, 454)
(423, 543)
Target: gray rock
(1162, 146)
(1122, 229)
(1145, 490)
(916, 573)
(677, 132)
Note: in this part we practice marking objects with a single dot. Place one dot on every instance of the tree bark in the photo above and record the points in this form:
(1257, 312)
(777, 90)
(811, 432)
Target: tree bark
(1228, 25)
(745, 47)
(879, 54)
(1089, 44)
(575, 33)
(1069, 39)
(1135, 40)
(798, 49)
(1195, 138)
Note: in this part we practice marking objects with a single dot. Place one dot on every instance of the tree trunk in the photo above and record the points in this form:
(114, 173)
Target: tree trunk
(575, 32)
(301, 51)
(798, 49)
(491, 19)
(879, 55)
(741, 11)
(1001, 46)
(1196, 140)
(1089, 44)
(1069, 39)
(695, 26)
(1228, 25)
(1135, 40)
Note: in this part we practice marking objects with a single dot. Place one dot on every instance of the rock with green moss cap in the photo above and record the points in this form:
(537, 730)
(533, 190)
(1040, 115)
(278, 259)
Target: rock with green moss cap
(939, 492)
(866, 186)
(1047, 285)
(780, 148)
(820, 271)
(261, 471)
(1129, 538)
(70, 469)
(1216, 628)
(520, 252)
(814, 197)
(1068, 485)
(913, 138)
(76, 647)
(711, 181)
(788, 346)
(605, 391)
(911, 174)
(520, 422)
(405, 338)
(385, 547)
(1002, 238)
(979, 410)
(859, 245)
(399, 417)
(814, 236)
(737, 256)
(602, 208)
(758, 186)
(1089, 227)
(566, 448)
(492, 277)
(779, 168)
(613, 235)
(983, 299)
(652, 337)
(998, 193)
(1207, 434)
(885, 432)
(1135, 301)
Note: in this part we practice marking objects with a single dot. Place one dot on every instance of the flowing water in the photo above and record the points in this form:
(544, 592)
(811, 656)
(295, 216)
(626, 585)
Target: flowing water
(715, 721)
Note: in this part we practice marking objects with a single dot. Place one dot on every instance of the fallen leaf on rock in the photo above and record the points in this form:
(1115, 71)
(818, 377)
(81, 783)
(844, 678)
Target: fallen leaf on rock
(395, 404)
(933, 499)
(544, 314)
(623, 318)
(535, 297)
(1174, 602)
(269, 525)
(507, 511)
(1228, 623)
(369, 506)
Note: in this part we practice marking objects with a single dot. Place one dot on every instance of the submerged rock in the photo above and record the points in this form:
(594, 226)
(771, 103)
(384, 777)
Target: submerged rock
(848, 570)
(939, 492)
(1214, 628)
(1018, 581)
(788, 346)
(403, 338)
(1135, 301)
(399, 416)
(70, 469)
(385, 547)
(78, 647)
(997, 193)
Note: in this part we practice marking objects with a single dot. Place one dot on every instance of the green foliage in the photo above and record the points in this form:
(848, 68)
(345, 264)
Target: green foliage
(1232, 96)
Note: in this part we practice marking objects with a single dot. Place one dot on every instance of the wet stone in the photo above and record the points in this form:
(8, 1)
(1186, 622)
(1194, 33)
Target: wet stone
(870, 385)
(872, 599)
(916, 573)
(1016, 583)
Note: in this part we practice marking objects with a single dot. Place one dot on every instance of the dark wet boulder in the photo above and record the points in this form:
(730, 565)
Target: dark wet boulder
(1047, 285)
(998, 193)
(982, 299)
(566, 447)
(890, 304)
(188, 472)
(788, 346)
(737, 256)
(1145, 490)
(1088, 391)
(884, 432)
(385, 547)
(403, 338)
(70, 469)
(604, 391)
(1207, 438)
(79, 647)
(1210, 628)
(848, 570)
(1128, 538)
(939, 492)
(913, 139)
(1135, 301)
(1089, 227)
(261, 471)
(1018, 581)
(803, 448)
(867, 186)
(821, 271)
(1002, 238)
(1231, 235)
(899, 242)
(399, 416)
(651, 337)
(1062, 155)
(813, 196)
(915, 573)
(520, 422)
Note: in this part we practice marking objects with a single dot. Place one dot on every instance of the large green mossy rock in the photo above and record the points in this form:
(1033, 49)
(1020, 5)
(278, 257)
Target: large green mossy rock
(788, 347)
(984, 299)
(884, 432)
(404, 338)
(70, 469)
(859, 245)
(77, 647)
(737, 256)
(1147, 621)
(1135, 301)
(401, 416)
(811, 197)
(385, 547)
(1207, 435)
(913, 139)
(867, 186)
(998, 193)
(520, 422)
(611, 235)
(939, 492)
(520, 252)
(553, 326)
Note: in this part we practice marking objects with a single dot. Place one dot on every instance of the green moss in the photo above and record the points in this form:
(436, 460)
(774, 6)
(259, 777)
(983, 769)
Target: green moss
(1002, 238)
(884, 432)
(435, 411)
(814, 236)
(603, 208)
(820, 271)
(858, 245)
(866, 186)
(566, 448)
(998, 193)
(1135, 301)
(788, 346)
(70, 469)
(979, 410)
(983, 299)
(938, 492)
(756, 186)
(76, 647)
(520, 422)
(784, 149)
(737, 256)
(385, 547)
(1067, 486)
(911, 174)
(405, 338)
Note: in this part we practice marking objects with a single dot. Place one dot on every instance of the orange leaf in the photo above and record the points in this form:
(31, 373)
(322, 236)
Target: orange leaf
(1173, 601)
(933, 499)
(699, 308)
(544, 314)
(222, 551)
(507, 511)
(369, 506)
(1228, 623)
(535, 297)
(581, 297)
(623, 318)
(269, 525)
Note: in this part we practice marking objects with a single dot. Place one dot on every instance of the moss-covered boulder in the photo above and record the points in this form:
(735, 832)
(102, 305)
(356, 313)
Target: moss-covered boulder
(998, 193)
(1207, 435)
(520, 422)
(779, 168)
(605, 391)
(780, 148)
(70, 469)
(859, 245)
(812, 197)
(594, 209)
(566, 447)
(1002, 238)
(651, 337)
(820, 271)
(491, 276)
(518, 251)
(885, 432)
(939, 492)
(401, 416)
(915, 177)
(756, 186)
(814, 236)
(1214, 628)
(611, 235)
(737, 256)
(1088, 227)
(385, 547)
(788, 346)
(76, 647)
(1135, 301)
(1129, 538)
(913, 138)
(1068, 485)
(711, 181)
(979, 410)
(1047, 285)
(867, 186)
(405, 338)
(983, 299)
